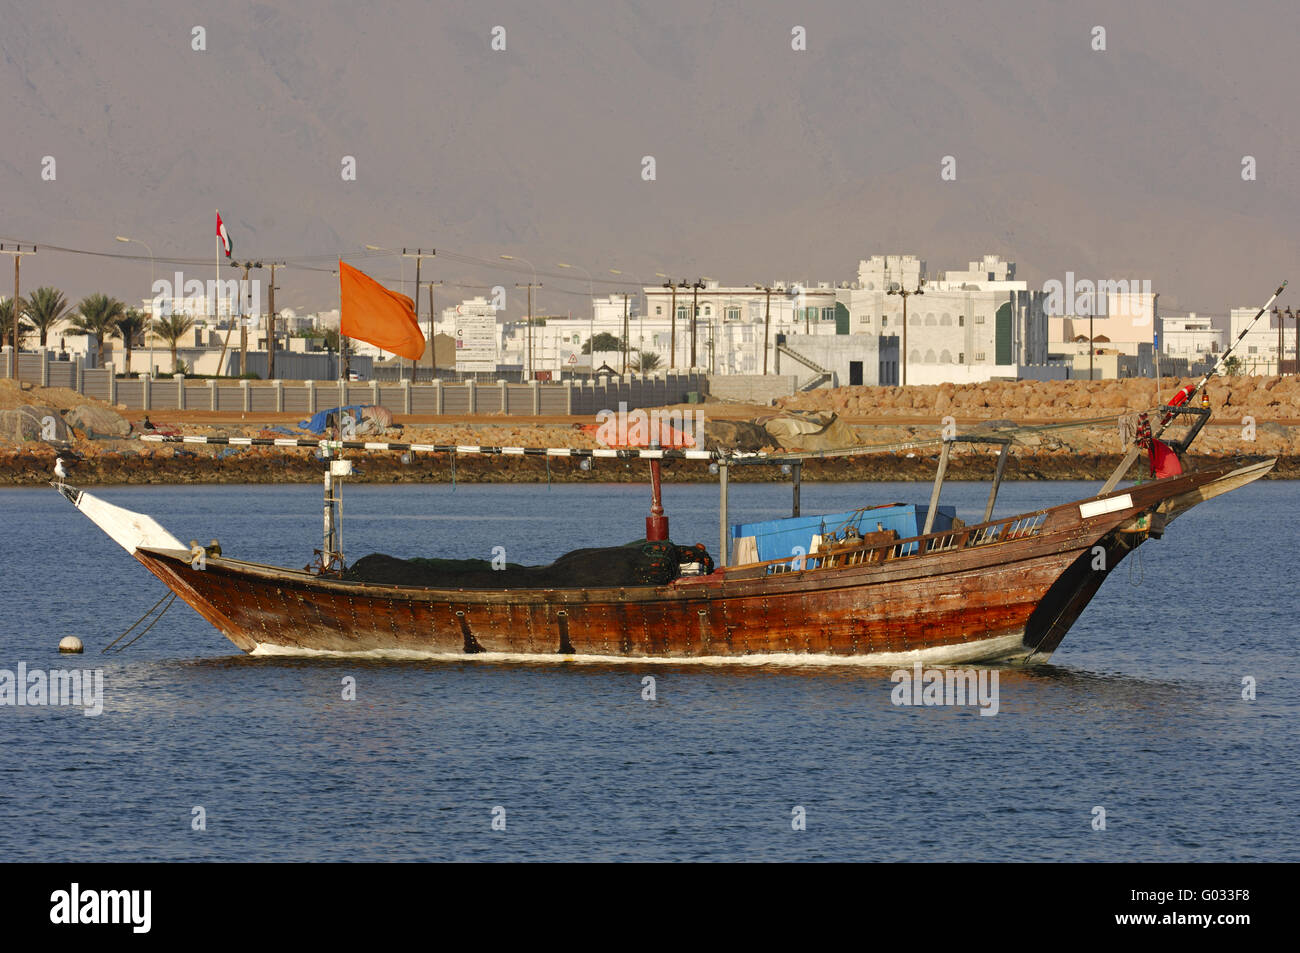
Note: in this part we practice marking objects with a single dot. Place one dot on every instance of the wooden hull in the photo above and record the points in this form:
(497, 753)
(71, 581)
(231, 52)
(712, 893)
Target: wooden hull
(1005, 591)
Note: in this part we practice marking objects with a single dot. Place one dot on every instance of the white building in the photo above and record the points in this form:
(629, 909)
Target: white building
(1258, 352)
(962, 326)
(1191, 336)
(730, 321)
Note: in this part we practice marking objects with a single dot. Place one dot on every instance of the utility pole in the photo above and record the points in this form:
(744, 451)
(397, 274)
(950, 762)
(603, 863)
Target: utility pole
(243, 321)
(902, 357)
(767, 320)
(433, 346)
(1296, 368)
(695, 310)
(1278, 315)
(17, 251)
(419, 255)
(528, 363)
(270, 324)
(627, 331)
(672, 335)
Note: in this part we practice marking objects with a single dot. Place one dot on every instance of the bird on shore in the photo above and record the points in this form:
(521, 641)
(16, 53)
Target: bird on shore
(59, 471)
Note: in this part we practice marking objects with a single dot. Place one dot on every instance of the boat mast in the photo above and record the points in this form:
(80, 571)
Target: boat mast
(656, 524)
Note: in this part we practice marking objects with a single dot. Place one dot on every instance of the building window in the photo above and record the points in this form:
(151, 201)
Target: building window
(865, 319)
(884, 320)
(828, 314)
(659, 309)
(979, 357)
(732, 314)
(961, 320)
(961, 357)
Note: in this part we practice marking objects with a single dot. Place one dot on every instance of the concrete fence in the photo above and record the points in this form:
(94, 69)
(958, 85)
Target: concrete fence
(580, 398)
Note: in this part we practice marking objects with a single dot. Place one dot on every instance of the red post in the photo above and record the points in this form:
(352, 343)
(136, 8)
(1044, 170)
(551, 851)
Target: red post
(656, 524)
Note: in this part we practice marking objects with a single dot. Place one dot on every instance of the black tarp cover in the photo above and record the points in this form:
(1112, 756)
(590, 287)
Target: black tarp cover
(639, 563)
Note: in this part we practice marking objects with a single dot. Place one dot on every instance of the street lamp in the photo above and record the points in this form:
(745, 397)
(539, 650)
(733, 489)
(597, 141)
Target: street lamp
(123, 238)
(902, 356)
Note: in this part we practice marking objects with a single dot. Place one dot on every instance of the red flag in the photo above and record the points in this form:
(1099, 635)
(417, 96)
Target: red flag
(373, 314)
(223, 235)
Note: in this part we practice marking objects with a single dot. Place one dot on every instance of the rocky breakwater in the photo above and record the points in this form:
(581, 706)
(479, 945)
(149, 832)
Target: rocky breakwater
(1231, 399)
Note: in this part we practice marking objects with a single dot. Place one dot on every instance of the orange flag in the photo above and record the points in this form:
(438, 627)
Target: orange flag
(373, 314)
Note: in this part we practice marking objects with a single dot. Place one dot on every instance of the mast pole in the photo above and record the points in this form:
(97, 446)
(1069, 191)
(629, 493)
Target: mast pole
(656, 524)
(723, 527)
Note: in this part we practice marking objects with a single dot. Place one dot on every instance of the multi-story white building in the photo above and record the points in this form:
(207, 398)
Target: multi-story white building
(1258, 352)
(730, 321)
(1191, 336)
(961, 326)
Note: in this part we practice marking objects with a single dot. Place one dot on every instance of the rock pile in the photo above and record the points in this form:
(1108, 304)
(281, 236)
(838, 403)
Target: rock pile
(1265, 398)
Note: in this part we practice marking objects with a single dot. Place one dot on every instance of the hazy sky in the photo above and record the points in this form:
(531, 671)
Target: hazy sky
(770, 162)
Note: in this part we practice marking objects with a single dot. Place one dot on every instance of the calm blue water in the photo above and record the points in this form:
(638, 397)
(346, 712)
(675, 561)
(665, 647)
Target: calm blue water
(1140, 711)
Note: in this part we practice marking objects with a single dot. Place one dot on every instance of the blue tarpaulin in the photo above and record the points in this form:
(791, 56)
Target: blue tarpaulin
(317, 423)
(778, 539)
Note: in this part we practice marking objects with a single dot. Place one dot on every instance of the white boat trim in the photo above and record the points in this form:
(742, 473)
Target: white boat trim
(1108, 505)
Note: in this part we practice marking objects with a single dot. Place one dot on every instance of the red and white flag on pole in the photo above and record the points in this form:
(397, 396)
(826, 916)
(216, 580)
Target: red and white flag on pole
(223, 235)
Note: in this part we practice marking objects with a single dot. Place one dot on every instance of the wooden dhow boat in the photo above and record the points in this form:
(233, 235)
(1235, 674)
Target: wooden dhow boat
(1002, 590)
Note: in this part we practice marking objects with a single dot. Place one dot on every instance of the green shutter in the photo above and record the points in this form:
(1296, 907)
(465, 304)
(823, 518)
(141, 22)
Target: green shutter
(1002, 350)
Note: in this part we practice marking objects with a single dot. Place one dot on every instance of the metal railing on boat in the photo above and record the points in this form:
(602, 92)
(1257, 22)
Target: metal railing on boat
(964, 537)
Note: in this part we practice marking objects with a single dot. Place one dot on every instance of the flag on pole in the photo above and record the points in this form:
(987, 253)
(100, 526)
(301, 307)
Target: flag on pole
(372, 313)
(223, 235)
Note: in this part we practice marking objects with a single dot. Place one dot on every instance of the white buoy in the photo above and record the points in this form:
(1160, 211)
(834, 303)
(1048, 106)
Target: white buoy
(70, 643)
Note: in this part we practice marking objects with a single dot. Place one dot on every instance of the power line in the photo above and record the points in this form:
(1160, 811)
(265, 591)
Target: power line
(301, 263)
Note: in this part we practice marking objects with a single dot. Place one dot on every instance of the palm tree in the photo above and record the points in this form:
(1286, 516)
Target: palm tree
(7, 321)
(130, 328)
(98, 315)
(47, 307)
(647, 361)
(172, 328)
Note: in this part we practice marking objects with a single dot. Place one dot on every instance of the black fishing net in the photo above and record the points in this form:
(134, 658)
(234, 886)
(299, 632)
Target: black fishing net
(639, 563)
